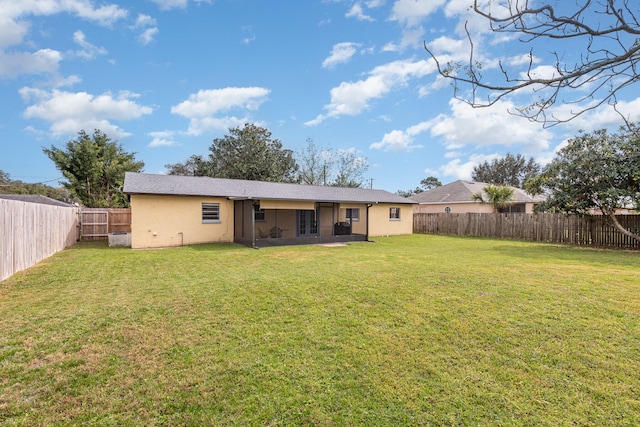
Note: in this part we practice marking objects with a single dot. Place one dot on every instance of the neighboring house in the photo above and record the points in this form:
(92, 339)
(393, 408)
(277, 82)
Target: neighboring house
(170, 210)
(456, 197)
(36, 198)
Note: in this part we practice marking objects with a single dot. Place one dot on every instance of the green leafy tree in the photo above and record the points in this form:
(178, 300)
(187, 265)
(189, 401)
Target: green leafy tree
(426, 184)
(498, 196)
(94, 167)
(594, 171)
(195, 165)
(245, 153)
(509, 170)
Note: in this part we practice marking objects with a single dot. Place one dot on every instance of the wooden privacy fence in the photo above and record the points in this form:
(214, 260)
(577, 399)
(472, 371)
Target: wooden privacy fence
(31, 232)
(593, 230)
(98, 223)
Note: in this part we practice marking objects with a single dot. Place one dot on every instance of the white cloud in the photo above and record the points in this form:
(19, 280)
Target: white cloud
(398, 140)
(163, 139)
(202, 107)
(103, 15)
(19, 63)
(14, 27)
(171, 4)
(11, 31)
(351, 98)
(340, 54)
(69, 112)
(89, 51)
(412, 12)
(148, 29)
(148, 35)
(489, 126)
(357, 12)
(459, 170)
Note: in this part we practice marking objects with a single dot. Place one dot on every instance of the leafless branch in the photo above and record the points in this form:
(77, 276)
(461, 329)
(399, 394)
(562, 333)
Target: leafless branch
(608, 64)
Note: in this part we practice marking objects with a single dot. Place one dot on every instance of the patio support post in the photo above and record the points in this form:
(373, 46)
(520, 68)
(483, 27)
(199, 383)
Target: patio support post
(366, 235)
(253, 225)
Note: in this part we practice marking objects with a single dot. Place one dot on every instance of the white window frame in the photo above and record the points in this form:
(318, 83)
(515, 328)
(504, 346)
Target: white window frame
(210, 213)
(394, 214)
(353, 218)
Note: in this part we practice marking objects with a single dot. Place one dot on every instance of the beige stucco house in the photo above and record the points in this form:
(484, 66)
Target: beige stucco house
(456, 197)
(169, 210)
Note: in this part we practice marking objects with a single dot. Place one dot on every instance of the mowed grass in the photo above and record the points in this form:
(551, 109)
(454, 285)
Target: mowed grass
(409, 330)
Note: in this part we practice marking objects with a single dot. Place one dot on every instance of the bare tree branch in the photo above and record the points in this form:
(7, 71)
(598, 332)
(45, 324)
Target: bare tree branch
(609, 63)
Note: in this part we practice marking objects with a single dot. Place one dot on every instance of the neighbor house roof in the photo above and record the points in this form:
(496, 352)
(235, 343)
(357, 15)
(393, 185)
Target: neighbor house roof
(35, 198)
(461, 191)
(141, 183)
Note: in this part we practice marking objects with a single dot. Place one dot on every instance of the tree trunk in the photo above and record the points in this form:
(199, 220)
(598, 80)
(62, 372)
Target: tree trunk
(616, 224)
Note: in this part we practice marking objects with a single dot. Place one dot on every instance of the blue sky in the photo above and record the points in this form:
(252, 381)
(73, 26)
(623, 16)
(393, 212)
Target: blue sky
(166, 77)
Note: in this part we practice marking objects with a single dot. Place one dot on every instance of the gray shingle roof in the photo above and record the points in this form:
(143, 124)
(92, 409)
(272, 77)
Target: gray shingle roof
(141, 183)
(461, 191)
(35, 198)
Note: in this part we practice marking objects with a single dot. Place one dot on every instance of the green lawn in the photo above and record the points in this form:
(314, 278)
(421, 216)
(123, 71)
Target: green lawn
(410, 330)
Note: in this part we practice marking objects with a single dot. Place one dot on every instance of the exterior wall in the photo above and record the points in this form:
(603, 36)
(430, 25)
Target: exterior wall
(381, 225)
(161, 221)
(470, 207)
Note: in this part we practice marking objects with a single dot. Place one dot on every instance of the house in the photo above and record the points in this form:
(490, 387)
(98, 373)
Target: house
(170, 210)
(457, 197)
(36, 198)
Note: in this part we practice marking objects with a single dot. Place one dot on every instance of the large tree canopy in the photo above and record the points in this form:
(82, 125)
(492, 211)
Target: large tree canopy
(509, 170)
(94, 167)
(245, 153)
(594, 47)
(594, 171)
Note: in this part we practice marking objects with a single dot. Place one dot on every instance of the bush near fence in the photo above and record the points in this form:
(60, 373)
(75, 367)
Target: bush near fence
(594, 230)
(31, 232)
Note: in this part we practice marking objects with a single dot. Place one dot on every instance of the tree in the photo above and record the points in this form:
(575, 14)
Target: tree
(498, 196)
(195, 165)
(429, 183)
(316, 164)
(594, 171)
(510, 170)
(350, 169)
(94, 167)
(322, 166)
(605, 64)
(245, 153)
(426, 184)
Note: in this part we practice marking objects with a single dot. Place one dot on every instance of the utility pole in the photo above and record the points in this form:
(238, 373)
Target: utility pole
(371, 183)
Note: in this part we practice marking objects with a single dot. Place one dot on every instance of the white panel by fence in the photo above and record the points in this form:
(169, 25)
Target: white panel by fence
(31, 232)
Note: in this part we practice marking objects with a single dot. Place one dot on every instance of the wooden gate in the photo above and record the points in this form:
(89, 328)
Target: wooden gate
(96, 224)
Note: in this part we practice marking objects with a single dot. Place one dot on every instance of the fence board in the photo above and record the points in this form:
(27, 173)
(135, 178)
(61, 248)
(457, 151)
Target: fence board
(31, 232)
(543, 227)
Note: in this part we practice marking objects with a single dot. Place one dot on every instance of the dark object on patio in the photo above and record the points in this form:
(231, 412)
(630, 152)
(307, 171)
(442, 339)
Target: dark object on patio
(342, 229)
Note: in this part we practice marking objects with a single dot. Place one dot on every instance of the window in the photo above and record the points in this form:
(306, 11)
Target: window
(353, 214)
(394, 214)
(210, 213)
(260, 215)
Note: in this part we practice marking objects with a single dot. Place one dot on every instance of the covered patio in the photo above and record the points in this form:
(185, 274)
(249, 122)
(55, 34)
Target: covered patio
(262, 223)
